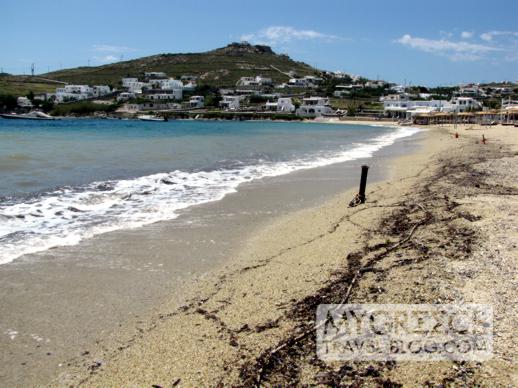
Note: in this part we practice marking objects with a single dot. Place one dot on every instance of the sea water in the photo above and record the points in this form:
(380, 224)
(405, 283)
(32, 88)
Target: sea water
(67, 180)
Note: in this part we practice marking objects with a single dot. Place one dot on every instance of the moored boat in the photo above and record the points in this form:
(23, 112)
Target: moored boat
(151, 118)
(34, 115)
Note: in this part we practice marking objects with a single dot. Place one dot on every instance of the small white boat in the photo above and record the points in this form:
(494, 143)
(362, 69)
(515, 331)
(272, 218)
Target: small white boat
(34, 115)
(151, 118)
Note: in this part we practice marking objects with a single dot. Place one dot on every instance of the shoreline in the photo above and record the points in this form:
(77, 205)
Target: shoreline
(225, 334)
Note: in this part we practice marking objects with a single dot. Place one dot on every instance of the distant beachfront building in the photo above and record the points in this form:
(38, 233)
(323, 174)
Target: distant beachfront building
(197, 102)
(152, 105)
(175, 94)
(74, 92)
(230, 102)
(314, 107)
(81, 92)
(462, 104)
(281, 105)
(24, 102)
(407, 108)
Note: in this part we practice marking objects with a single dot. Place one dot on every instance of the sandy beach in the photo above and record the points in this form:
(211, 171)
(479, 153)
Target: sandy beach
(440, 229)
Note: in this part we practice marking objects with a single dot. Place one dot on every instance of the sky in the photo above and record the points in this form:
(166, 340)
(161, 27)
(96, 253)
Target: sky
(414, 42)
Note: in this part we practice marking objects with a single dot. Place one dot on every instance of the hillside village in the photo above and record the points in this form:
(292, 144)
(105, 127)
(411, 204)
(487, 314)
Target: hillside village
(290, 95)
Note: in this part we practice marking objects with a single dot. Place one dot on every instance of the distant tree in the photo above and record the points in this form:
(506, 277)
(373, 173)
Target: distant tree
(254, 99)
(30, 96)
(47, 106)
(213, 99)
(7, 102)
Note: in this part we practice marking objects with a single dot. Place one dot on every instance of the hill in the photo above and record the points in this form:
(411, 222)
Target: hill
(221, 67)
(21, 85)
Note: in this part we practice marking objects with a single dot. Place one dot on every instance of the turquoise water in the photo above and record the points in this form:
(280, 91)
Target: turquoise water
(63, 181)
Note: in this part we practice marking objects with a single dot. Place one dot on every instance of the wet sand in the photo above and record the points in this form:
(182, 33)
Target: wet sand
(70, 307)
(457, 246)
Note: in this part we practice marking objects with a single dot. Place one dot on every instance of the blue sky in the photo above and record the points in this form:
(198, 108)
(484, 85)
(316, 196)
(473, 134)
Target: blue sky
(428, 43)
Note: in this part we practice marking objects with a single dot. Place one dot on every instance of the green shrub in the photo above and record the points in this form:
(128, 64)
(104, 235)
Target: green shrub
(82, 108)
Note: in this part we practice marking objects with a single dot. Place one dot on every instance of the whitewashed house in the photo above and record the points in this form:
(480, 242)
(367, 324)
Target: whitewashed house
(128, 81)
(230, 102)
(247, 81)
(74, 92)
(281, 105)
(298, 82)
(100, 90)
(189, 86)
(197, 102)
(133, 85)
(24, 102)
(342, 91)
(315, 107)
(462, 104)
(125, 96)
(263, 80)
(165, 95)
(254, 81)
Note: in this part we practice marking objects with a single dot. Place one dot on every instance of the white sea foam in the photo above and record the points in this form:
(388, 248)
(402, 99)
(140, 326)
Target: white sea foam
(67, 216)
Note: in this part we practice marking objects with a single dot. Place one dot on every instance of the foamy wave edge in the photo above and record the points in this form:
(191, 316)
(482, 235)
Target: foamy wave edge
(66, 217)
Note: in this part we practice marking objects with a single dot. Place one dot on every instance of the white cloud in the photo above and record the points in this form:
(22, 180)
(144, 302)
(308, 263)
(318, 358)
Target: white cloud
(106, 59)
(491, 35)
(466, 34)
(456, 51)
(486, 36)
(111, 49)
(275, 35)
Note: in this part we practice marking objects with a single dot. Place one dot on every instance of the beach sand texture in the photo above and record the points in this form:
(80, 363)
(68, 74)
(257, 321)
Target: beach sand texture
(441, 229)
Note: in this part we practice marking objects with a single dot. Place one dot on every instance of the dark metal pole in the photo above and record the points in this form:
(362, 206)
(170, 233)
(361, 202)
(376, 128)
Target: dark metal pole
(363, 183)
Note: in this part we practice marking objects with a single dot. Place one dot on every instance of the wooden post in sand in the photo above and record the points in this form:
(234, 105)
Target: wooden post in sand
(363, 183)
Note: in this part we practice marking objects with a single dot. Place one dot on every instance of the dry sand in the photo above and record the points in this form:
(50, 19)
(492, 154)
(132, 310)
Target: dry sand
(453, 206)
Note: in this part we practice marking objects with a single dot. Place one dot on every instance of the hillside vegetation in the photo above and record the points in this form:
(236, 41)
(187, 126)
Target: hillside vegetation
(221, 67)
(21, 85)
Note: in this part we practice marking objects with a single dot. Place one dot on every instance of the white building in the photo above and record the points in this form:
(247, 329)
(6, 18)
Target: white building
(247, 81)
(154, 74)
(24, 102)
(133, 85)
(462, 104)
(314, 107)
(298, 82)
(230, 102)
(398, 88)
(197, 102)
(281, 105)
(374, 84)
(394, 97)
(254, 81)
(407, 108)
(189, 86)
(166, 95)
(100, 90)
(125, 96)
(74, 92)
(128, 81)
(151, 105)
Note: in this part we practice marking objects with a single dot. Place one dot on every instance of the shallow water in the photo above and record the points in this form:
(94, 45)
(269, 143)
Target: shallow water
(64, 181)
